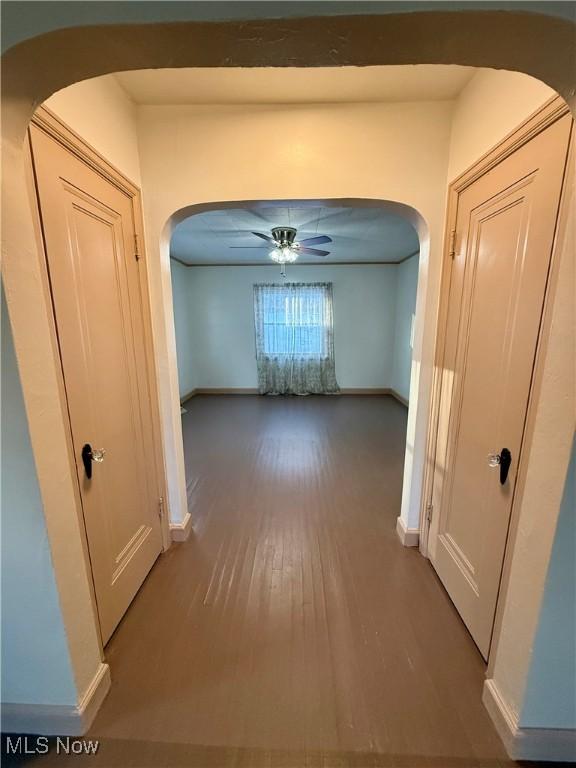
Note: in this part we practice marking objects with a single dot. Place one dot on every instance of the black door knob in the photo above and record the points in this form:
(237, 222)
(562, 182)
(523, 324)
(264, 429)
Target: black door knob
(505, 461)
(87, 460)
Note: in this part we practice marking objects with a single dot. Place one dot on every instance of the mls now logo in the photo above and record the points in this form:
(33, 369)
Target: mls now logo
(40, 745)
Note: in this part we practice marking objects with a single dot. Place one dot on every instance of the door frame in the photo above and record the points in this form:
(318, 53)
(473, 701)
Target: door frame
(49, 123)
(550, 112)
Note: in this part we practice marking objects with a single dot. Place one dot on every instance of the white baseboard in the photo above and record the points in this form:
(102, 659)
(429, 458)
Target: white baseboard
(410, 537)
(58, 719)
(187, 396)
(399, 397)
(538, 744)
(181, 531)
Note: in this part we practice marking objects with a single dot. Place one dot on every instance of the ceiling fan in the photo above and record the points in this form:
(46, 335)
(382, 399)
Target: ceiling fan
(285, 247)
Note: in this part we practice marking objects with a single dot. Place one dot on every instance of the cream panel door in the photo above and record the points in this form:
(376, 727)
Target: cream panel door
(505, 229)
(89, 236)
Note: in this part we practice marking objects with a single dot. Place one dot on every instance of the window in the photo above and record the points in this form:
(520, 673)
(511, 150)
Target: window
(294, 338)
(295, 319)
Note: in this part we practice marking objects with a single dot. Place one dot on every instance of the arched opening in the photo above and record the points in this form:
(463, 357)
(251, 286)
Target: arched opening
(374, 341)
(115, 49)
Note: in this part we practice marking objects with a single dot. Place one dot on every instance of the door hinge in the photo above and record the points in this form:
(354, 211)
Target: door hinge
(136, 248)
(429, 512)
(161, 507)
(452, 244)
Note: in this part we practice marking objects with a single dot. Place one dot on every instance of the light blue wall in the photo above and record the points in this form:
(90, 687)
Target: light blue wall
(35, 660)
(182, 298)
(221, 322)
(373, 307)
(550, 699)
(407, 283)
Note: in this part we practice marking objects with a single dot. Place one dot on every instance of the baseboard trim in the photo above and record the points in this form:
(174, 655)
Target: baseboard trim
(187, 396)
(398, 396)
(364, 391)
(181, 531)
(219, 391)
(409, 537)
(538, 744)
(227, 391)
(374, 391)
(94, 695)
(250, 391)
(59, 719)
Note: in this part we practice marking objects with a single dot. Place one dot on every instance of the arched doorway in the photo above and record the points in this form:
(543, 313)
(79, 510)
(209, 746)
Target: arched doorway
(392, 240)
(32, 334)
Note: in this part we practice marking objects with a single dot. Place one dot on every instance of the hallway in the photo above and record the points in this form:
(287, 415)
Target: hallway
(293, 628)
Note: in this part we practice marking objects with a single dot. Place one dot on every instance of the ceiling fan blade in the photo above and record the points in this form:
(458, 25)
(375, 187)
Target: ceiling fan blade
(313, 252)
(265, 237)
(318, 240)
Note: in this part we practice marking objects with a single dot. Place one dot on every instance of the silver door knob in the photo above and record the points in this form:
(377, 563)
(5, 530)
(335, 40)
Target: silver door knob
(98, 454)
(493, 459)
(502, 460)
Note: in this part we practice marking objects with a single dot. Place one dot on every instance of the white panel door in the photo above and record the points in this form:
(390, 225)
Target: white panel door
(505, 229)
(88, 228)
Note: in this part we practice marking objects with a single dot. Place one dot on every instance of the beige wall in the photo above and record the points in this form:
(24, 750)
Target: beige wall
(197, 154)
(491, 105)
(102, 113)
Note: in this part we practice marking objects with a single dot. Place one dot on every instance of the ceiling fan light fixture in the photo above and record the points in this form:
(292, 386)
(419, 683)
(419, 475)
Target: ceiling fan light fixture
(284, 254)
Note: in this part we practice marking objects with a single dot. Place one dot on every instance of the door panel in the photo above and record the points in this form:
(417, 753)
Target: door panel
(89, 234)
(505, 229)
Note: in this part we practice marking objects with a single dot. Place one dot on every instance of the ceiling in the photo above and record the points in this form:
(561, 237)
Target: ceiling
(293, 85)
(360, 234)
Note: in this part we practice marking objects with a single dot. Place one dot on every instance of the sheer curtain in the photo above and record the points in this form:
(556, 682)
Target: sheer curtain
(294, 338)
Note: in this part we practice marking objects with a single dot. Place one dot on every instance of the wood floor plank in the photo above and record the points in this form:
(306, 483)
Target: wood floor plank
(292, 628)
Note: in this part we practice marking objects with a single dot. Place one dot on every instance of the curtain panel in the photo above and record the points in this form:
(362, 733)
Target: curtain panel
(294, 338)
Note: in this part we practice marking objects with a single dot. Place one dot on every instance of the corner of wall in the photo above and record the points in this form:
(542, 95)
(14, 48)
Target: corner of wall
(511, 96)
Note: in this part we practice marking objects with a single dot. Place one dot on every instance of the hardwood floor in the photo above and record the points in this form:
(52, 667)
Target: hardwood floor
(293, 629)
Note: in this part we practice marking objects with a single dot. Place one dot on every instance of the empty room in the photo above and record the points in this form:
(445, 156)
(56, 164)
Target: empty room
(321, 322)
(287, 386)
